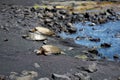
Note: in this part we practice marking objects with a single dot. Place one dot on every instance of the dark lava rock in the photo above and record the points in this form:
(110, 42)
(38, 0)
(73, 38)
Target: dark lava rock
(93, 51)
(5, 40)
(116, 56)
(60, 77)
(105, 45)
(95, 39)
(86, 15)
(71, 28)
(80, 38)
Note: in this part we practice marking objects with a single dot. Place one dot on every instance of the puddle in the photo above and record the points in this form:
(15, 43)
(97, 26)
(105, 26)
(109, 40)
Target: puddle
(107, 33)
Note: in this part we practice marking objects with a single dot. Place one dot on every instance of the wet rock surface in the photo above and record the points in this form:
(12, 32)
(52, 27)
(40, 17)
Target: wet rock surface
(17, 54)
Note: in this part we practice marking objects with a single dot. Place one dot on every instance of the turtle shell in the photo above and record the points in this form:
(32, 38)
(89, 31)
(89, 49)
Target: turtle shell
(49, 49)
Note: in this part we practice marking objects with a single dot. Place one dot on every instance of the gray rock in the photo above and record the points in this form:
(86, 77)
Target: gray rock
(118, 78)
(25, 75)
(83, 76)
(91, 68)
(45, 78)
(105, 45)
(36, 65)
(116, 56)
(60, 77)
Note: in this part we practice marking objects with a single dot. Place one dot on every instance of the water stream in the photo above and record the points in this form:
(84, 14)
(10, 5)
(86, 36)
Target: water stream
(107, 33)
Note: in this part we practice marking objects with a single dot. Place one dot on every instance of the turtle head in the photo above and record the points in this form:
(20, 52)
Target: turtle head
(39, 51)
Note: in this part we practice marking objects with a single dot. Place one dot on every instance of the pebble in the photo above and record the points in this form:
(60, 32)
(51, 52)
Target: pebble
(25, 75)
(45, 78)
(105, 45)
(83, 76)
(91, 68)
(60, 77)
(70, 48)
(36, 65)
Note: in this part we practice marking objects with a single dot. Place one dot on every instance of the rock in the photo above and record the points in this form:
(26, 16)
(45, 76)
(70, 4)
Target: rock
(102, 20)
(92, 24)
(49, 14)
(71, 28)
(26, 75)
(47, 20)
(70, 48)
(94, 39)
(116, 56)
(64, 12)
(24, 78)
(117, 35)
(93, 51)
(5, 40)
(80, 38)
(118, 78)
(35, 36)
(86, 15)
(44, 31)
(45, 78)
(2, 77)
(83, 76)
(105, 45)
(91, 68)
(60, 77)
(36, 65)
(31, 73)
(48, 50)
(83, 57)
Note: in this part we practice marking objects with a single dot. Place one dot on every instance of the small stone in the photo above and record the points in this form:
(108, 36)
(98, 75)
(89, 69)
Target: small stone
(91, 68)
(48, 20)
(92, 24)
(45, 78)
(93, 51)
(71, 28)
(32, 73)
(105, 45)
(116, 56)
(25, 78)
(70, 48)
(26, 75)
(5, 40)
(36, 65)
(118, 78)
(83, 76)
(79, 38)
(83, 57)
(94, 39)
(60, 77)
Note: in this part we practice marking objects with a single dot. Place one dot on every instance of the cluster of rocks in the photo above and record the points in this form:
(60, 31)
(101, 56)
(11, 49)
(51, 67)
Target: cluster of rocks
(56, 19)
(32, 75)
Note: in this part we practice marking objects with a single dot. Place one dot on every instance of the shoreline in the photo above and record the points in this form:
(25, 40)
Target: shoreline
(17, 54)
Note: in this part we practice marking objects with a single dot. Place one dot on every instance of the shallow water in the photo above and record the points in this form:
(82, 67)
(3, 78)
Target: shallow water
(108, 33)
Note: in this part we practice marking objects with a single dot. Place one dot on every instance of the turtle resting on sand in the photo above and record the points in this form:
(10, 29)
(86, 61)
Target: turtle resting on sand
(48, 50)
